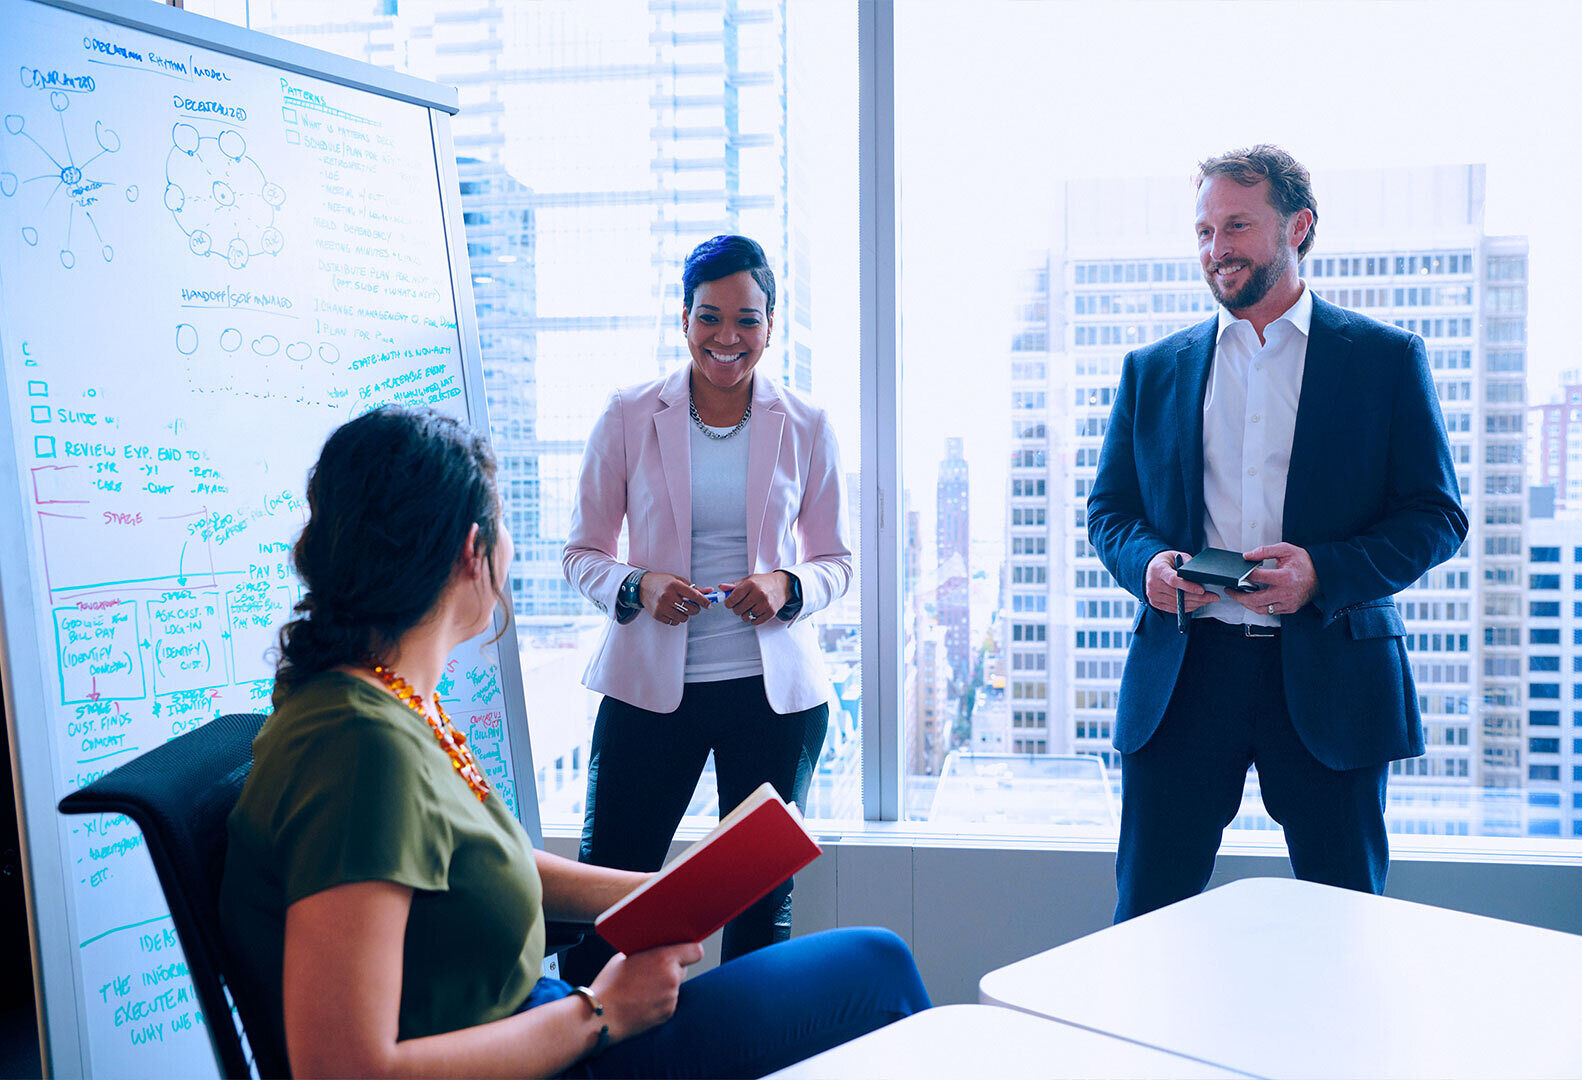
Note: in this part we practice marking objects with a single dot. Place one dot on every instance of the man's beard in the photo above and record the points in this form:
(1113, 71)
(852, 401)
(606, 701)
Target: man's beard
(1260, 279)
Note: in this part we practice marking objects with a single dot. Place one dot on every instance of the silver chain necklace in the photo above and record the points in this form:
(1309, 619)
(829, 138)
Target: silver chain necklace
(710, 432)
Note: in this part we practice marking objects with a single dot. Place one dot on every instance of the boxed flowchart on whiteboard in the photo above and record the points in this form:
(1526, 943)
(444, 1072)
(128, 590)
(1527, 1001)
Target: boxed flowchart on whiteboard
(206, 264)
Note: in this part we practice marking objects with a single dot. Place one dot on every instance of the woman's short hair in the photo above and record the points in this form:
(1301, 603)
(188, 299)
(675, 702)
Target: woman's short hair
(1290, 184)
(391, 501)
(722, 256)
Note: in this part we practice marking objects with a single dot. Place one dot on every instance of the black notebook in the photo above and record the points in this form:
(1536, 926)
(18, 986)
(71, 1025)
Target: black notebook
(1216, 566)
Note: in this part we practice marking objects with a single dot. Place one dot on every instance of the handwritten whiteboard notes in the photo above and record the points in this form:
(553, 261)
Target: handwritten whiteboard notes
(206, 264)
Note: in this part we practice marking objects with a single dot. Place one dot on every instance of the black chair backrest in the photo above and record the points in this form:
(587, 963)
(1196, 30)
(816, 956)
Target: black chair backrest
(180, 794)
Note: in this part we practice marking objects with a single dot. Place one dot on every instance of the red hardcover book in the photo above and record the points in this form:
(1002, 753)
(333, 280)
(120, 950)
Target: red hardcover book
(754, 848)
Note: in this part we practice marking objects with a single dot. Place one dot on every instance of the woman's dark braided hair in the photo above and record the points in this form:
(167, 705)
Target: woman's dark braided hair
(390, 504)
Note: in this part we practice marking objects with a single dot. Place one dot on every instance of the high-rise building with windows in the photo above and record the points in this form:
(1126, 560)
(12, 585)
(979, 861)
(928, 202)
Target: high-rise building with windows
(929, 708)
(499, 220)
(1407, 247)
(1033, 568)
(952, 534)
(1554, 443)
(1497, 502)
(1554, 675)
(576, 253)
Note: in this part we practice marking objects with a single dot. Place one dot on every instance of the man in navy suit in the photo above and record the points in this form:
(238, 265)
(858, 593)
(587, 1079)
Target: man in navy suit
(1306, 437)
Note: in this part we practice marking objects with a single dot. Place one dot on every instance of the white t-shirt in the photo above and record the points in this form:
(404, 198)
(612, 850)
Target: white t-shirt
(720, 645)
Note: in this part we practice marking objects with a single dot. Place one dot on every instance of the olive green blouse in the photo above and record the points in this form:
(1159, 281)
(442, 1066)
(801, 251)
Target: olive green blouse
(349, 784)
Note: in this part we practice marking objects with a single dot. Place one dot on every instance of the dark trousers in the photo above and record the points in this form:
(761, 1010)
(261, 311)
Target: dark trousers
(769, 1009)
(643, 767)
(1185, 785)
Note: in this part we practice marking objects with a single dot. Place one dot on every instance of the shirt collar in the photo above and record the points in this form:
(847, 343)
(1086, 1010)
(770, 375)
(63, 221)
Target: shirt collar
(1299, 315)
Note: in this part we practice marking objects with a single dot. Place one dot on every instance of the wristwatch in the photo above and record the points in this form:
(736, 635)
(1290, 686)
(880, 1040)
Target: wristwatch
(793, 605)
(629, 600)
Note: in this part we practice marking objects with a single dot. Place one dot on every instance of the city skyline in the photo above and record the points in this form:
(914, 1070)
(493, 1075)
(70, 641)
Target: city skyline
(1465, 292)
(1018, 125)
(569, 230)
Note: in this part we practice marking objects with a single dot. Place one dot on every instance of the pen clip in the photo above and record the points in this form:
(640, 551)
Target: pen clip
(1182, 619)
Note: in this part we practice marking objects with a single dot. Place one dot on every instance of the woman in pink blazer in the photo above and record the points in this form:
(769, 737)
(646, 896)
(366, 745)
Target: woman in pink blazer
(731, 490)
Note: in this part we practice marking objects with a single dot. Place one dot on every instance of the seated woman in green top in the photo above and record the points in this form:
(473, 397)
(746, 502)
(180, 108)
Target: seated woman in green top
(377, 886)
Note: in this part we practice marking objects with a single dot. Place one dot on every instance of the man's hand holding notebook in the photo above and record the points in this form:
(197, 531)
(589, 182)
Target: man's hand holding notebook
(1217, 566)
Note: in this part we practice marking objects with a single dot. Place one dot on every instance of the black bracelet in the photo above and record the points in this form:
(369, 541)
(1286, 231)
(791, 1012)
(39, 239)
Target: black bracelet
(598, 1010)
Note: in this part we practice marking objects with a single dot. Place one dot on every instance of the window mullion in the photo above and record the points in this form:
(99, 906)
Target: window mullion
(881, 514)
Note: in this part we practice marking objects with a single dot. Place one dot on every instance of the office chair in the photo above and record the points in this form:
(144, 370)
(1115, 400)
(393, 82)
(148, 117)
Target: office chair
(180, 794)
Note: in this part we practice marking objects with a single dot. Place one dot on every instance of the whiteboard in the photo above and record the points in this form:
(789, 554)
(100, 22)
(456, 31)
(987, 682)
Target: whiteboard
(215, 247)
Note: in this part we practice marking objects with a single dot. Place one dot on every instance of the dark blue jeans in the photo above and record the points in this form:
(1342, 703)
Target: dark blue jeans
(1184, 786)
(643, 767)
(768, 1009)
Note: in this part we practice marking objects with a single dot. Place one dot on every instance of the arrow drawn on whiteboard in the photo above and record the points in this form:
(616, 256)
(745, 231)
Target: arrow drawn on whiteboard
(93, 695)
(181, 565)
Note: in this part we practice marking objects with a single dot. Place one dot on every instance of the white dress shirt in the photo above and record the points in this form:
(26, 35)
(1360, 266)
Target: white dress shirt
(1249, 416)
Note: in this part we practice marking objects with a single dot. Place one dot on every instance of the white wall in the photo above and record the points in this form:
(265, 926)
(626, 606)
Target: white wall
(966, 910)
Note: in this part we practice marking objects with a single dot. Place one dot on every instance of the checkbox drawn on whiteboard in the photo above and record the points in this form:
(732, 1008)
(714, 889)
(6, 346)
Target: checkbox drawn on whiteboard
(44, 446)
(41, 414)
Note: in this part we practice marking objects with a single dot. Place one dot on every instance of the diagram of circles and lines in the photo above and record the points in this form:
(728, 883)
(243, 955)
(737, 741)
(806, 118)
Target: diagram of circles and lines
(220, 197)
(68, 184)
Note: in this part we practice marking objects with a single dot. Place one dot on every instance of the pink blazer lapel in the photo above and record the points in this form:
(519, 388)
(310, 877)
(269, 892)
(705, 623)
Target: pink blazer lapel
(763, 453)
(675, 455)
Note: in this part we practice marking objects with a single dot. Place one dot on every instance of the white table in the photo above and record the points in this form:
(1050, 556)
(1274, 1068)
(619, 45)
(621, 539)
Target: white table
(957, 1041)
(1284, 978)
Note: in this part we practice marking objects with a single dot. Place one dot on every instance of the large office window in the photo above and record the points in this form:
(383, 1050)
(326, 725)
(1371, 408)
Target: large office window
(1045, 219)
(597, 144)
(1042, 210)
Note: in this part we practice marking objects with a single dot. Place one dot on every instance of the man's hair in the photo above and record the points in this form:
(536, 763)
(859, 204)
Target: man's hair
(1290, 184)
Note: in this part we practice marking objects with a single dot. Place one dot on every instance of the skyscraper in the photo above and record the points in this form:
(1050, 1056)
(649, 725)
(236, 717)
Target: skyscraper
(1033, 569)
(597, 144)
(1554, 675)
(694, 97)
(1554, 441)
(951, 538)
(500, 251)
(1404, 246)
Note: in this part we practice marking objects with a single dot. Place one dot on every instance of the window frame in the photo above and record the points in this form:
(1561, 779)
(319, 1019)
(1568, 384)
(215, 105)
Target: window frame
(881, 418)
(882, 771)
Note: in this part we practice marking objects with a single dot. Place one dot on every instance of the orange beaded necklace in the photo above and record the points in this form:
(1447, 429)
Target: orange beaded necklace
(454, 742)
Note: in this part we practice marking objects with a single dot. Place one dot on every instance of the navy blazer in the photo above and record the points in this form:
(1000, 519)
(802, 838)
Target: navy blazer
(1371, 495)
